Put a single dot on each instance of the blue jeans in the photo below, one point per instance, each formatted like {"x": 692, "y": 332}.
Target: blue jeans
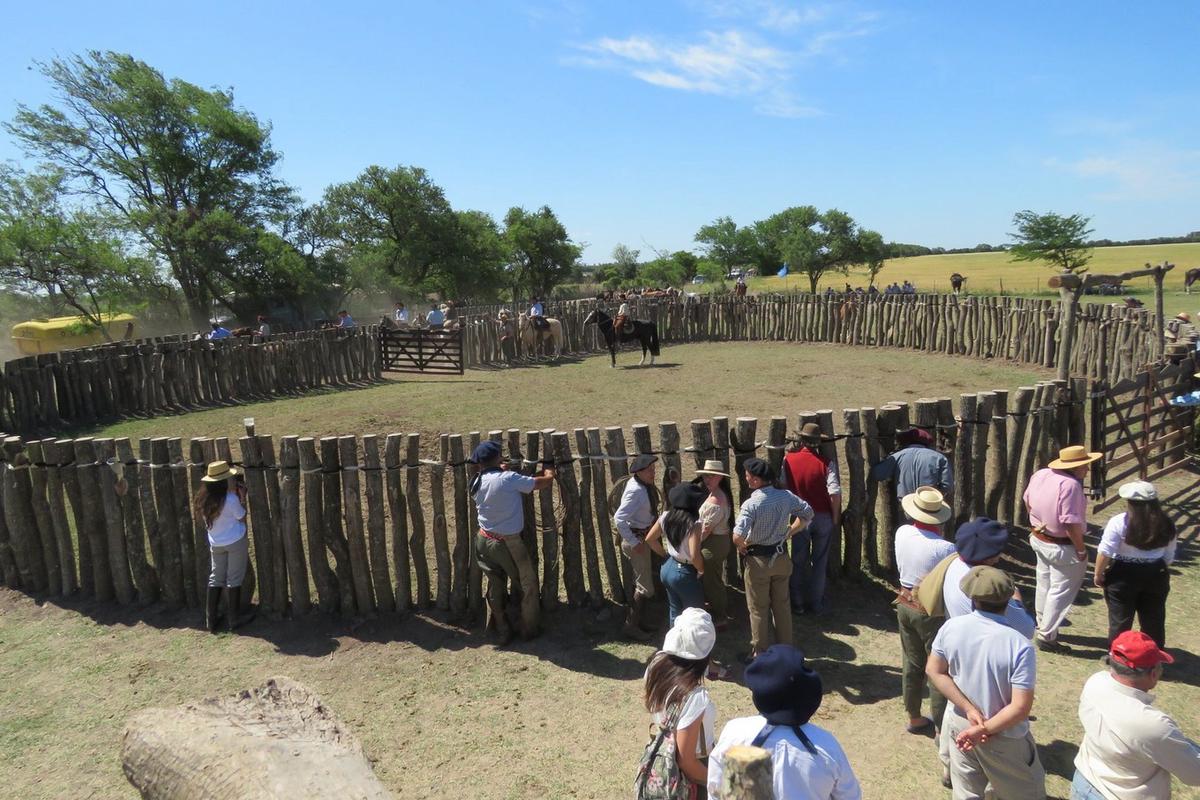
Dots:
{"x": 683, "y": 585}
{"x": 810, "y": 562}
{"x": 1081, "y": 789}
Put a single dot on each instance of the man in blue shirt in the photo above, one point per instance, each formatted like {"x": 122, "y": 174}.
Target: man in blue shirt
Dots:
{"x": 915, "y": 464}
{"x": 345, "y": 320}
{"x": 501, "y": 552}
{"x": 537, "y": 315}
{"x": 435, "y": 318}
{"x": 400, "y": 315}
{"x": 987, "y": 672}
{"x": 218, "y": 331}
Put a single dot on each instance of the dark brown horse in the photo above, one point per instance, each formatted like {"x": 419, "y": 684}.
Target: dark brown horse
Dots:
{"x": 644, "y": 331}
{"x": 1190, "y": 277}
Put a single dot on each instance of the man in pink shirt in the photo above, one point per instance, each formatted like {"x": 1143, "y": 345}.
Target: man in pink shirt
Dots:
{"x": 1058, "y": 519}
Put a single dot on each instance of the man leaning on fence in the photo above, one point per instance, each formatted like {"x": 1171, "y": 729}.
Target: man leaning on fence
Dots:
{"x": 501, "y": 552}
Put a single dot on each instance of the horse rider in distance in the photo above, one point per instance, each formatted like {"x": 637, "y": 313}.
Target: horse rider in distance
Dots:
{"x": 623, "y": 324}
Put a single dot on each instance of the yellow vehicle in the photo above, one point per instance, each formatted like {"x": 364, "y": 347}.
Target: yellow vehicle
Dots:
{"x": 49, "y": 335}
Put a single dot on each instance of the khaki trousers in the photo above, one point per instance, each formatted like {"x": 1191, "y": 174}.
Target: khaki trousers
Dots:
{"x": 1004, "y": 767}
{"x": 768, "y": 601}
{"x": 715, "y": 550}
{"x": 642, "y": 567}
{"x": 503, "y": 561}
{"x": 916, "y": 639}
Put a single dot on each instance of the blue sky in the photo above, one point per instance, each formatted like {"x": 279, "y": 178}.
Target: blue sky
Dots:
{"x": 638, "y": 122}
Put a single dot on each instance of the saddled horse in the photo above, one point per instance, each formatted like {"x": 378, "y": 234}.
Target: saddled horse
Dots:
{"x": 531, "y": 338}
{"x": 1190, "y": 277}
{"x": 644, "y": 331}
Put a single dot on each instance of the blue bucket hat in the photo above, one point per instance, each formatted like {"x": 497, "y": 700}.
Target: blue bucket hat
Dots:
{"x": 485, "y": 452}
{"x": 785, "y": 691}
{"x": 980, "y": 539}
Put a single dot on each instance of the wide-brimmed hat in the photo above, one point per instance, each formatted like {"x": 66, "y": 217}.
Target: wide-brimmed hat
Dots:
{"x": 1183, "y": 316}
{"x": 1136, "y": 650}
{"x": 220, "y": 471}
{"x": 1074, "y": 456}
{"x": 926, "y": 505}
{"x": 713, "y": 467}
{"x": 692, "y": 636}
{"x": 785, "y": 691}
{"x": 980, "y": 539}
{"x": 688, "y": 497}
{"x": 810, "y": 433}
{"x": 642, "y": 461}
{"x": 987, "y": 585}
{"x": 1138, "y": 490}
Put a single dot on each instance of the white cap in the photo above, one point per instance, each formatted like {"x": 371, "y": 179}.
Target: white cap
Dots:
{"x": 1138, "y": 490}
{"x": 692, "y": 636}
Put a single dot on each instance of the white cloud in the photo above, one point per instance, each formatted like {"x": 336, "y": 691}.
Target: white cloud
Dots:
{"x": 1143, "y": 171}
{"x": 767, "y": 14}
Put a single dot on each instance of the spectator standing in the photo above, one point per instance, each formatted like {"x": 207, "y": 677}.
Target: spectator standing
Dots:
{"x": 635, "y": 514}
{"x": 814, "y": 479}
{"x": 807, "y": 762}
{"x": 765, "y": 522}
{"x": 980, "y": 542}
{"x": 264, "y": 327}
{"x": 499, "y": 548}
{"x": 715, "y": 516}
{"x": 1058, "y": 519}
{"x": 676, "y": 697}
{"x": 919, "y": 548}
{"x": 916, "y": 463}
{"x": 675, "y": 536}
{"x": 1130, "y": 749}
{"x": 221, "y": 504}
{"x": 1131, "y": 564}
{"x": 987, "y": 671}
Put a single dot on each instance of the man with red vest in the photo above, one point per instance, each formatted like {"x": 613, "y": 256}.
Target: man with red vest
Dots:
{"x": 814, "y": 479}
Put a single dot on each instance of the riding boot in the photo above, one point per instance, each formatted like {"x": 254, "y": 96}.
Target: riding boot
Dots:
{"x": 644, "y": 621}
{"x": 633, "y": 628}
{"x": 212, "y": 610}
{"x": 233, "y": 604}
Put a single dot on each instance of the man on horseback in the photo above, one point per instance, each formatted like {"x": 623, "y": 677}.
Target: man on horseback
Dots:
{"x": 537, "y": 315}
{"x": 622, "y": 324}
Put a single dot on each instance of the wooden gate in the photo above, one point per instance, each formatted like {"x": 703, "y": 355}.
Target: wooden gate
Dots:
{"x": 1143, "y": 436}
{"x": 421, "y": 350}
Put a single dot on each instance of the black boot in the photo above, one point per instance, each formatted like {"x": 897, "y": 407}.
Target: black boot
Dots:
{"x": 236, "y": 618}
{"x": 213, "y": 608}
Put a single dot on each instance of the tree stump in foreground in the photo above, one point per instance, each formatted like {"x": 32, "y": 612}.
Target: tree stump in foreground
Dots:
{"x": 748, "y": 774}
{"x": 276, "y": 741}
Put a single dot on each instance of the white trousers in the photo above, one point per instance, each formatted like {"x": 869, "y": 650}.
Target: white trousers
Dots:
{"x": 1060, "y": 574}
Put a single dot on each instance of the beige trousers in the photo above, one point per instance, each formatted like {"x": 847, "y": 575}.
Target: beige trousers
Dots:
{"x": 767, "y": 600}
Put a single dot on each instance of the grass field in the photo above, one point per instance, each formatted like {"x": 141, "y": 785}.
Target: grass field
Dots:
{"x": 992, "y": 273}
{"x": 442, "y": 712}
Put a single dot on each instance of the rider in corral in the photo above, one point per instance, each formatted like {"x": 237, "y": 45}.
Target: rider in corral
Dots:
{"x": 623, "y": 323}
{"x": 537, "y": 315}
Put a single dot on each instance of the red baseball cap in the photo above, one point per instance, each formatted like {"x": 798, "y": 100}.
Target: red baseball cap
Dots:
{"x": 1137, "y": 650}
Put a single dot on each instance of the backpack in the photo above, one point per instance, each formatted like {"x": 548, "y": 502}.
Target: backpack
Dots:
{"x": 929, "y": 592}
{"x": 659, "y": 776}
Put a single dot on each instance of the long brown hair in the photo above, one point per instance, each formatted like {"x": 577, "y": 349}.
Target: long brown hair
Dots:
{"x": 669, "y": 678}
{"x": 1147, "y": 527}
{"x": 209, "y": 500}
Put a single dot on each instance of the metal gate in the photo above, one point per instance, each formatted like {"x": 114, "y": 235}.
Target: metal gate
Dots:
{"x": 421, "y": 350}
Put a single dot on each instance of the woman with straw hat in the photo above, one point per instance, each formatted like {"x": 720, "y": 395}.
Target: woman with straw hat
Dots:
{"x": 1058, "y": 519}
{"x": 715, "y": 514}
{"x": 221, "y": 504}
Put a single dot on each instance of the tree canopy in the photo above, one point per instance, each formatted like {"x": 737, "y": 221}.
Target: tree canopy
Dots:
{"x": 1059, "y": 241}
{"x": 541, "y": 254}
{"x": 812, "y": 243}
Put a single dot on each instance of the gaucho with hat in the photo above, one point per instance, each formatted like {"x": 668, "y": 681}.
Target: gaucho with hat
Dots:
{"x": 916, "y": 462}
{"x": 635, "y": 514}
{"x": 812, "y": 477}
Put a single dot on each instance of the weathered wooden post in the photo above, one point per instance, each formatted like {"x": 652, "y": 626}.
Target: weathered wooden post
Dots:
{"x": 385, "y": 601}
{"x": 259, "y": 528}
{"x": 289, "y": 523}
{"x": 441, "y": 544}
{"x": 462, "y": 532}
{"x": 328, "y": 591}
{"x": 398, "y": 512}
{"x": 569, "y": 494}
{"x": 90, "y": 507}
{"x": 145, "y": 577}
{"x": 748, "y": 774}
{"x": 41, "y": 515}
{"x": 364, "y": 597}
{"x": 331, "y": 516}
{"x": 852, "y": 513}
{"x": 416, "y": 541}
{"x": 549, "y": 529}
{"x": 587, "y": 529}
{"x": 56, "y": 453}
{"x": 608, "y": 547}
{"x": 266, "y": 455}
{"x": 114, "y": 518}
{"x": 22, "y": 525}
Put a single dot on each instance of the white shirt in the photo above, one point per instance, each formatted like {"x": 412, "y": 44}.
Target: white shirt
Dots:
{"x": 958, "y": 604}
{"x": 498, "y": 501}
{"x": 682, "y": 558}
{"x": 633, "y": 512}
{"x": 798, "y": 774}
{"x": 1130, "y": 749}
{"x": 1112, "y": 544}
{"x": 696, "y": 705}
{"x": 536, "y": 310}
{"x": 230, "y": 524}
{"x": 401, "y": 315}
{"x": 918, "y": 552}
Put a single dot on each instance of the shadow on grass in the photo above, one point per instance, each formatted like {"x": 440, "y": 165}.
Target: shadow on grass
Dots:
{"x": 1058, "y": 757}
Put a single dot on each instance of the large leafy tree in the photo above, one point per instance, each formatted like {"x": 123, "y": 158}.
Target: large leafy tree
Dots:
{"x": 724, "y": 243}
{"x": 810, "y": 242}
{"x": 541, "y": 253}
{"x": 874, "y": 253}
{"x": 74, "y": 257}
{"x": 1059, "y": 241}
{"x": 183, "y": 167}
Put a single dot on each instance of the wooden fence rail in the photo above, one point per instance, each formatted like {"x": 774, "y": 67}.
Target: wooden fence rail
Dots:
{"x": 362, "y": 526}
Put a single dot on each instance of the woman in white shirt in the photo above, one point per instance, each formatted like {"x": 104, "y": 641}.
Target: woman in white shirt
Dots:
{"x": 1131, "y": 563}
{"x": 676, "y": 698}
{"x": 676, "y": 537}
{"x": 221, "y": 504}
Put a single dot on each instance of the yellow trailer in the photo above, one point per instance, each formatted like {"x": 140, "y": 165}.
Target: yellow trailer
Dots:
{"x": 49, "y": 335}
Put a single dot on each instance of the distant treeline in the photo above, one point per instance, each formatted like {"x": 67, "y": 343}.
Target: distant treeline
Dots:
{"x": 901, "y": 250}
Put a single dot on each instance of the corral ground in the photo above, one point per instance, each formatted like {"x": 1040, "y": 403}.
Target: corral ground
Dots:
{"x": 440, "y": 710}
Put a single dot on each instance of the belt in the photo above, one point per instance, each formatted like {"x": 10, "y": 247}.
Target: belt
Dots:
{"x": 639, "y": 532}
{"x": 495, "y": 537}
{"x": 1040, "y": 533}
{"x": 904, "y": 597}
{"x": 766, "y": 549}
{"x": 1127, "y": 560}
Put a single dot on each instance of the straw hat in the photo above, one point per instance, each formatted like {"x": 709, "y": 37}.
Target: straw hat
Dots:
{"x": 1183, "y": 316}
{"x": 1074, "y": 456}
{"x": 926, "y": 505}
{"x": 220, "y": 471}
{"x": 712, "y": 467}
{"x": 810, "y": 433}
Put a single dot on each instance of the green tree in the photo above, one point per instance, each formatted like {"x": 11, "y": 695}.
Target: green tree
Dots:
{"x": 874, "y": 253}
{"x": 541, "y": 254}
{"x": 76, "y": 257}
{"x": 183, "y": 167}
{"x": 1060, "y": 241}
{"x": 675, "y": 269}
{"x": 626, "y": 261}
{"x": 809, "y": 242}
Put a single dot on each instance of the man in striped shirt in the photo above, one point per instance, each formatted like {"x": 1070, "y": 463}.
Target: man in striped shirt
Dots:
{"x": 765, "y": 523}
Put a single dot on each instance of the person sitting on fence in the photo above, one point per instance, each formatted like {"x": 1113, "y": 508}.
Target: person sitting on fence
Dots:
{"x": 264, "y": 327}
{"x": 434, "y": 318}
{"x": 537, "y": 315}
{"x": 345, "y": 321}
{"x": 218, "y": 331}
{"x": 501, "y": 552}
{"x": 221, "y": 503}
{"x": 806, "y": 761}
{"x": 400, "y": 316}
{"x": 915, "y": 463}
{"x": 635, "y": 514}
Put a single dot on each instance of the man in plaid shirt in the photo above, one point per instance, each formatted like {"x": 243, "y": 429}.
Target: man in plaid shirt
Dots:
{"x": 764, "y": 525}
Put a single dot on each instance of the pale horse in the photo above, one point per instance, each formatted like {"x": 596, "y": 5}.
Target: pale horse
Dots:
{"x": 531, "y": 338}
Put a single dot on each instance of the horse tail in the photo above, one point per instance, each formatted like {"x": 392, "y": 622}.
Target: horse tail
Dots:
{"x": 654, "y": 338}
